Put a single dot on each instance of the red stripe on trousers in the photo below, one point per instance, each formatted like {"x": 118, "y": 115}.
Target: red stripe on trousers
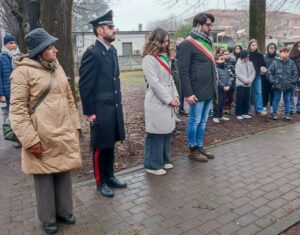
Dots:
{"x": 97, "y": 166}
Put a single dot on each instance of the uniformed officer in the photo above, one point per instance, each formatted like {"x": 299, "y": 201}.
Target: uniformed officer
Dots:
{"x": 99, "y": 87}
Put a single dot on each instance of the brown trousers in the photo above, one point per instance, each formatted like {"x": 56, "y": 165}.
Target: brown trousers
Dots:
{"x": 53, "y": 195}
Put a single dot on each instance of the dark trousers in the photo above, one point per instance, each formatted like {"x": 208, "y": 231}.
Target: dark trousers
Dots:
{"x": 103, "y": 160}
{"x": 157, "y": 150}
{"x": 242, "y": 101}
{"x": 229, "y": 98}
{"x": 267, "y": 92}
{"x": 181, "y": 106}
{"x": 218, "y": 108}
{"x": 53, "y": 195}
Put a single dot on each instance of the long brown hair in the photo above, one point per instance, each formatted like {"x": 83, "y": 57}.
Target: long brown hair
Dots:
{"x": 155, "y": 42}
{"x": 253, "y": 41}
{"x": 295, "y": 52}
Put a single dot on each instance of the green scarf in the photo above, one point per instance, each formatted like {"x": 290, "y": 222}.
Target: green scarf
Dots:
{"x": 52, "y": 66}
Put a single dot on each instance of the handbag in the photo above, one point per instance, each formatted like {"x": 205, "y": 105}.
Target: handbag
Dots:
{"x": 7, "y": 131}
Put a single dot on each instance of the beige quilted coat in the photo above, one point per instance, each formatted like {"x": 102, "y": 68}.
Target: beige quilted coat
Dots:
{"x": 54, "y": 123}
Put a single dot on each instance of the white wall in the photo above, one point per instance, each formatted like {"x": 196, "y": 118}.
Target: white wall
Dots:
{"x": 83, "y": 41}
{"x": 138, "y": 41}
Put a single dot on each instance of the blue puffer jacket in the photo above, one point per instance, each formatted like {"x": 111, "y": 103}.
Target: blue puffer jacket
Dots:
{"x": 283, "y": 74}
{"x": 5, "y": 71}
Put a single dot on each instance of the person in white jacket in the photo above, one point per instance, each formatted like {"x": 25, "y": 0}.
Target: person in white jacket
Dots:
{"x": 245, "y": 74}
{"x": 160, "y": 101}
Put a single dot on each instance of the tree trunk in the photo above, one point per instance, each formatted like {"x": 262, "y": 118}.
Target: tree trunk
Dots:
{"x": 56, "y": 18}
{"x": 21, "y": 17}
{"x": 257, "y": 22}
{"x": 33, "y": 9}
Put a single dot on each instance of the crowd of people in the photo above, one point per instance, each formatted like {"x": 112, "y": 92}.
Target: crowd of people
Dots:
{"x": 44, "y": 117}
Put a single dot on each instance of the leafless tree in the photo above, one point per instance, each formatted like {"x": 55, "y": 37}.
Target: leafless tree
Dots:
{"x": 170, "y": 24}
{"x": 85, "y": 11}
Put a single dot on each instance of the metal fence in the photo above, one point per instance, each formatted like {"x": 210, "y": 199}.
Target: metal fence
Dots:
{"x": 132, "y": 62}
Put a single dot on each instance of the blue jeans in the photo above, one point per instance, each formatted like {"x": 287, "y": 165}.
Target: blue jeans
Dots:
{"x": 292, "y": 107}
{"x": 256, "y": 90}
{"x": 298, "y": 102}
{"x": 286, "y": 98}
{"x": 197, "y": 122}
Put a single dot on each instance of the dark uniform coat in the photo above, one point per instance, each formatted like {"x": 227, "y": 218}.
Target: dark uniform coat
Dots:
{"x": 100, "y": 92}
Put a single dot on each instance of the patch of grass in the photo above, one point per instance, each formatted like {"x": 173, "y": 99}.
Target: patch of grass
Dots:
{"x": 133, "y": 78}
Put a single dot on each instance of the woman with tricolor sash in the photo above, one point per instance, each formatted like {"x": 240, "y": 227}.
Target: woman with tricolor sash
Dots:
{"x": 161, "y": 99}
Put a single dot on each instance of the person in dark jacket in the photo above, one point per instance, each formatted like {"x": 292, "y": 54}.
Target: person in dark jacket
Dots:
{"x": 295, "y": 56}
{"x": 267, "y": 91}
{"x": 182, "y": 111}
{"x": 230, "y": 64}
{"x": 175, "y": 75}
{"x": 256, "y": 88}
{"x": 283, "y": 75}
{"x": 224, "y": 83}
{"x": 99, "y": 87}
{"x": 197, "y": 72}
{"x": 9, "y": 53}
{"x": 237, "y": 52}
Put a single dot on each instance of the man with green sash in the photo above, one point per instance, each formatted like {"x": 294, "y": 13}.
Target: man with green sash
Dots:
{"x": 197, "y": 72}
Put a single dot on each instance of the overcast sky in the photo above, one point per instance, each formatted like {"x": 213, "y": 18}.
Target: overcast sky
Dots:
{"x": 129, "y": 13}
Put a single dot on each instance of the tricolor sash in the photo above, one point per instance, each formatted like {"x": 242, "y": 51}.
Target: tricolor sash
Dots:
{"x": 202, "y": 46}
{"x": 164, "y": 61}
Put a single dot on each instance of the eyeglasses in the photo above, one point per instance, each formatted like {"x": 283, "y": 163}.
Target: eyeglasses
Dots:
{"x": 209, "y": 25}
{"x": 271, "y": 47}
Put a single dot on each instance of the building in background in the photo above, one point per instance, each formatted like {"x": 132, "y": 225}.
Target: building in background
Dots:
{"x": 283, "y": 26}
{"x": 129, "y": 45}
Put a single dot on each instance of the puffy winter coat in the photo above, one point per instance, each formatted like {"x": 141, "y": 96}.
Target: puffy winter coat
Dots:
{"x": 283, "y": 74}
{"x": 54, "y": 123}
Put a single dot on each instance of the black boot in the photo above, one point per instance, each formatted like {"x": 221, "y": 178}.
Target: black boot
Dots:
{"x": 50, "y": 228}
{"x": 105, "y": 190}
{"x": 115, "y": 183}
{"x": 68, "y": 219}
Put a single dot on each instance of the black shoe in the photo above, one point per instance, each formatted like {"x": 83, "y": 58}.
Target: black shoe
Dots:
{"x": 115, "y": 183}
{"x": 68, "y": 219}
{"x": 50, "y": 228}
{"x": 105, "y": 190}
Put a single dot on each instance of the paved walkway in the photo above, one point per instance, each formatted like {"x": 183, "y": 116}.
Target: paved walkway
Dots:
{"x": 252, "y": 187}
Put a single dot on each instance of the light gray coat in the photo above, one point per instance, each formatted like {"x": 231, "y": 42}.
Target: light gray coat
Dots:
{"x": 245, "y": 72}
{"x": 159, "y": 115}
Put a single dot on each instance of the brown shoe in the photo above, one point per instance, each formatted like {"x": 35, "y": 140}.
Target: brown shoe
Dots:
{"x": 209, "y": 155}
{"x": 196, "y": 156}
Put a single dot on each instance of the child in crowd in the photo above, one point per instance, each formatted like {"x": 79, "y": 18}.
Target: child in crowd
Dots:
{"x": 283, "y": 74}
{"x": 224, "y": 83}
{"x": 175, "y": 75}
{"x": 230, "y": 64}
{"x": 245, "y": 74}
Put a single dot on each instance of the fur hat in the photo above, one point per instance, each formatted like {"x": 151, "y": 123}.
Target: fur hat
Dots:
{"x": 37, "y": 41}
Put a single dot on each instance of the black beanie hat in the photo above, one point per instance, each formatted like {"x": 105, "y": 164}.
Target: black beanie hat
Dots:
{"x": 244, "y": 54}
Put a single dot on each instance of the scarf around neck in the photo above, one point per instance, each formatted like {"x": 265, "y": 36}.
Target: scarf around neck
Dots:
{"x": 52, "y": 66}
{"x": 12, "y": 54}
{"x": 201, "y": 35}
